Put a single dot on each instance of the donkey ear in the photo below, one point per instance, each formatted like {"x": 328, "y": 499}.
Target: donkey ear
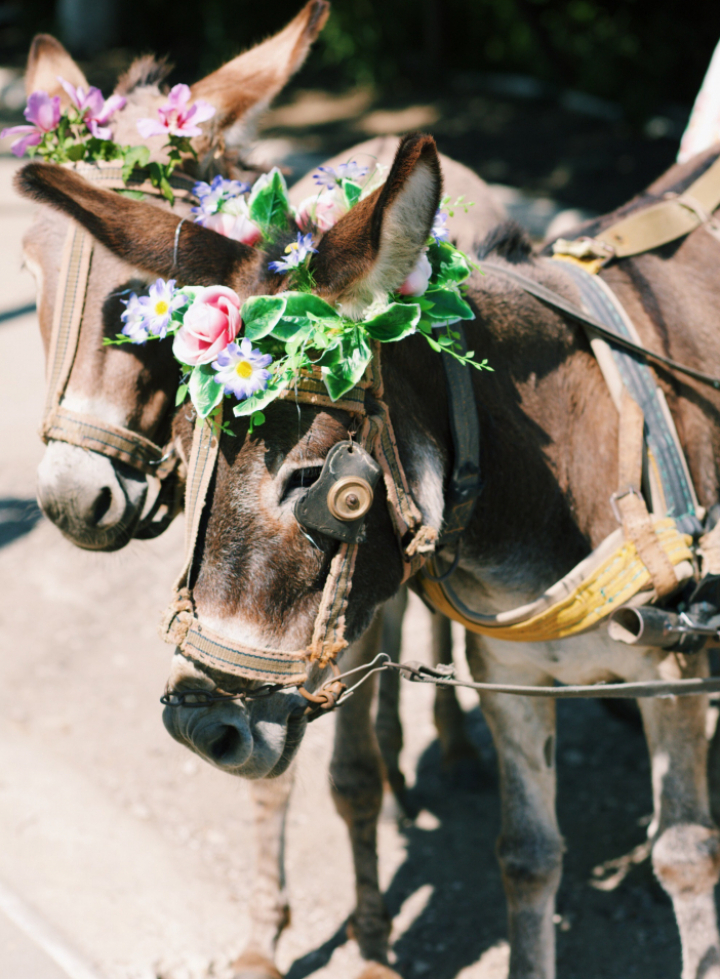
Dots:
{"x": 242, "y": 88}
{"x": 47, "y": 60}
{"x": 373, "y": 248}
{"x": 140, "y": 234}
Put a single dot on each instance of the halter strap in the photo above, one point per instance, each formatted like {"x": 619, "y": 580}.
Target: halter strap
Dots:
{"x": 60, "y": 424}
{"x": 416, "y": 541}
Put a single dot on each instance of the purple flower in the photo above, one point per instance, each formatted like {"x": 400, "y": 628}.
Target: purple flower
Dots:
{"x": 213, "y": 196}
{"x": 94, "y": 110}
{"x": 331, "y": 176}
{"x": 44, "y": 114}
{"x": 135, "y": 320}
{"x": 150, "y": 315}
{"x": 177, "y": 118}
{"x": 241, "y": 370}
{"x": 438, "y": 230}
{"x": 297, "y": 252}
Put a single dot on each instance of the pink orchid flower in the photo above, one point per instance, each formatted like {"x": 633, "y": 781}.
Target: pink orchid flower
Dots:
{"x": 44, "y": 114}
{"x": 96, "y": 112}
{"x": 177, "y": 118}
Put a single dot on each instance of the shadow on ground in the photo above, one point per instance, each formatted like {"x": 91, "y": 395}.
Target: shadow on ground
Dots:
{"x": 17, "y": 518}
{"x": 612, "y": 917}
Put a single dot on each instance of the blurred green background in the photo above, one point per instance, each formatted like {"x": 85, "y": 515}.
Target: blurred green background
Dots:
{"x": 635, "y": 52}
{"x": 570, "y": 103}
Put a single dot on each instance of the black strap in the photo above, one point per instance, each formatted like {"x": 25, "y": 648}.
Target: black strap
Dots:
{"x": 465, "y": 479}
{"x": 552, "y": 299}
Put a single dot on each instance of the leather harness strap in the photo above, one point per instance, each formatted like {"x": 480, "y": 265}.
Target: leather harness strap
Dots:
{"x": 672, "y": 217}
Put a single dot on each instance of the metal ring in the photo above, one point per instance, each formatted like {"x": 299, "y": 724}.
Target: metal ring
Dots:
{"x": 350, "y": 498}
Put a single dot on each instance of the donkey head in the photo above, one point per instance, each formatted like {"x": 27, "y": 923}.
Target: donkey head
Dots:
{"x": 259, "y": 575}
{"x": 98, "y": 502}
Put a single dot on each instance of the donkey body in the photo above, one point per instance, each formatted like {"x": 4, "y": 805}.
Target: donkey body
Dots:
{"x": 98, "y": 503}
{"x": 549, "y": 454}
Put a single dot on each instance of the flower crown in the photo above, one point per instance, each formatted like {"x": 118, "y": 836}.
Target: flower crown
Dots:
{"x": 81, "y": 131}
{"x": 255, "y": 352}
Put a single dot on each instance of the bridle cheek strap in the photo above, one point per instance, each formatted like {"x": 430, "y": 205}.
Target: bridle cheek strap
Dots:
{"x": 60, "y": 424}
{"x": 180, "y": 624}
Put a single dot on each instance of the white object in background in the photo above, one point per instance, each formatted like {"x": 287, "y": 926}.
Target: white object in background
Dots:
{"x": 703, "y": 128}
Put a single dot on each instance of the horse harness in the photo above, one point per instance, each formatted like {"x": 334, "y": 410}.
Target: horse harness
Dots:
{"x": 648, "y": 558}
{"x": 61, "y": 424}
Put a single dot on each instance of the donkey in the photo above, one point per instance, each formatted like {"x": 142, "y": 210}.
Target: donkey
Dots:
{"x": 549, "y": 454}
{"x": 136, "y": 391}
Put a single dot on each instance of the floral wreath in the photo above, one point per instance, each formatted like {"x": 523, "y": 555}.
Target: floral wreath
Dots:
{"x": 254, "y": 352}
{"x": 81, "y": 132}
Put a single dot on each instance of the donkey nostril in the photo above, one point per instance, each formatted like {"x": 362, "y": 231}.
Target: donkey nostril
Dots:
{"x": 102, "y": 505}
{"x": 226, "y": 744}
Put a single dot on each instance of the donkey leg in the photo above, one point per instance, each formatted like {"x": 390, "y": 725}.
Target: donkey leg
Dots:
{"x": 530, "y": 846}
{"x": 357, "y": 788}
{"x": 449, "y": 716}
{"x": 269, "y": 908}
{"x": 388, "y": 728}
{"x": 686, "y": 844}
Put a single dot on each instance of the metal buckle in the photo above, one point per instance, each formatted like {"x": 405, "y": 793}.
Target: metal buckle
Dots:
{"x": 618, "y": 495}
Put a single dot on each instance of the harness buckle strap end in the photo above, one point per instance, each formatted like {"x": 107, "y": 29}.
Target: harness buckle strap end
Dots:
{"x": 619, "y": 495}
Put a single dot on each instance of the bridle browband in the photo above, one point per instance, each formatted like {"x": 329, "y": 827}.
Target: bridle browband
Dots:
{"x": 61, "y": 424}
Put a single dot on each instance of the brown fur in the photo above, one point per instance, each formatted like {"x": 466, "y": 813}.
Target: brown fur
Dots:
{"x": 145, "y": 70}
{"x": 46, "y": 60}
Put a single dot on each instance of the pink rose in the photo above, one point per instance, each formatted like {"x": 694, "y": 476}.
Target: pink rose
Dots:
{"x": 417, "y": 282}
{"x": 322, "y": 210}
{"x": 210, "y": 324}
{"x": 239, "y": 227}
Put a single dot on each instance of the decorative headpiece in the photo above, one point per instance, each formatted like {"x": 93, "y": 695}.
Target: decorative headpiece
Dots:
{"x": 255, "y": 352}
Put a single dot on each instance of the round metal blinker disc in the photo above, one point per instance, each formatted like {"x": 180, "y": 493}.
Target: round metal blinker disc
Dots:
{"x": 350, "y": 498}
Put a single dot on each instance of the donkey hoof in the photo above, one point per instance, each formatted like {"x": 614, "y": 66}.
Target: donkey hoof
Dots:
{"x": 252, "y": 965}
{"x": 377, "y": 971}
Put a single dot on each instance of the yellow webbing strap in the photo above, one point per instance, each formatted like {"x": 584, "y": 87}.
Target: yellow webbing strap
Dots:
{"x": 611, "y": 576}
{"x": 652, "y": 226}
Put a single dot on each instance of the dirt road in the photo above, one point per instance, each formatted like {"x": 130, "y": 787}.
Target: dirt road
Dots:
{"x": 140, "y": 856}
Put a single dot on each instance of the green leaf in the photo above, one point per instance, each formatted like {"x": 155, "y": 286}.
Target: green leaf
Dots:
{"x": 205, "y": 392}
{"x": 261, "y": 314}
{"x": 268, "y": 202}
{"x": 448, "y": 305}
{"x": 352, "y": 192}
{"x": 75, "y": 152}
{"x": 302, "y": 312}
{"x": 180, "y": 395}
{"x": 257, "y": 402}
{"x": 448, "y": 263}
{"x": 355, "y": 356}
{"x": 134, "y": 156}
{"x": 135, "y": 195}
{"x": 399, "y": 320}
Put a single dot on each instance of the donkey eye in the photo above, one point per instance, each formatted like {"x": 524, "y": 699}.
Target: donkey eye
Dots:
{"x": 301, "y": 479}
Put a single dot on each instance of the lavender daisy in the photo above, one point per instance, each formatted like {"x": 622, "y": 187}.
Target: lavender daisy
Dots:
{"x": 134, "y": 319}
{"x": 439, "y": 230}
{"x": 331, "y": 176}
{"x": 212, "y": 196}
{"x": 241, "y": 370}
{"x": 297, "y": 252}
{"x": 150, "y": 315}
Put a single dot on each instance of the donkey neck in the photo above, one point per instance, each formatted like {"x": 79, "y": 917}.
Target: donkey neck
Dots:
{"x": 548, "y": 437}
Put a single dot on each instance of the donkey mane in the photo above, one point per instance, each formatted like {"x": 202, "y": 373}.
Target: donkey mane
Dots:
{"x": 145, "y": 70}
{"x": 509, "y": 241}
